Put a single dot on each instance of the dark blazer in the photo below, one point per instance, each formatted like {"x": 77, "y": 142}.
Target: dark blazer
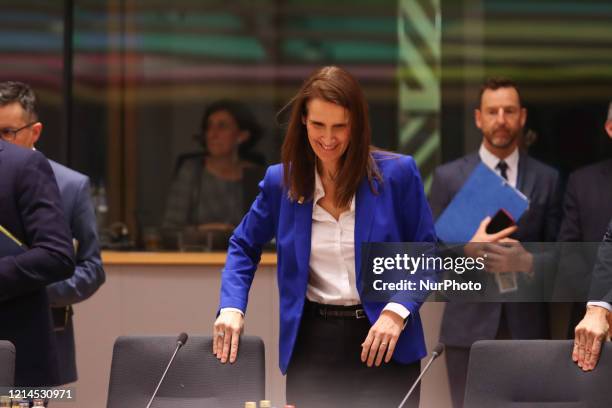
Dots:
{"x": 88, "y": 274}
{"x": 398, "y": 213}
{"x": 30, "y": 208}
{"x": 465, "y": 323}
{"x": 601, "y": 287}
{"x": 587, "y": 209}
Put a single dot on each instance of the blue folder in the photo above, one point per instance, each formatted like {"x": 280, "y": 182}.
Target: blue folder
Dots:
{"x": 482, "y": 195}
{"x": 9, "y": 245}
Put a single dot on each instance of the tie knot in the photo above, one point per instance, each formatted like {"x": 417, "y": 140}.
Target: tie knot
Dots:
{"x": 502, "y": 166}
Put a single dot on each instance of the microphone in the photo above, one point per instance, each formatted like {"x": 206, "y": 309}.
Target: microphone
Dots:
{"x": 437, "y": 352}
{"x": 182, "y": 339}
{"x": 180, "y": 342}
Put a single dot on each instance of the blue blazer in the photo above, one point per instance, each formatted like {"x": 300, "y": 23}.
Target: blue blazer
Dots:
{"x": 398, "y": 213}
{"x": 88, "y": 273}
{"x": 78, "y": 209}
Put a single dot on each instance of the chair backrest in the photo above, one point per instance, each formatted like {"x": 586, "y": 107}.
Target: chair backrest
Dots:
{"x": 535, "y": 374}
{"x": 7, "y": 364}
{"x": 195, "y": 379}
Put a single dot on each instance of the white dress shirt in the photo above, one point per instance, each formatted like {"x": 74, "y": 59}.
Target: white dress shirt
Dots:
{"x": 605, "y": 305}
{"x": 491, "y": 161}
{"x": 332, "y": 278}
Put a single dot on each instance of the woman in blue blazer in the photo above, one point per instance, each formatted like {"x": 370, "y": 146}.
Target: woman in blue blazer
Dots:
{"x": 331, "y": 193}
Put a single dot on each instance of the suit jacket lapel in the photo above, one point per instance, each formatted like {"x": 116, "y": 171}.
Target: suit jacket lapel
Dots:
{"x": 302, "y": 234}
{"x": 526, "y": 179}
{"x": 365, "y": 205}
{"x": 469, "y": 164}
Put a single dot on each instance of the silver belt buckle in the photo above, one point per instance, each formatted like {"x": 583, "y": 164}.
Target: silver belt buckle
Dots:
{"x": 360, "y": 314}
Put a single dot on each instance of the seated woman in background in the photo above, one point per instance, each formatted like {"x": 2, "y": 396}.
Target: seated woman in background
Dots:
{"x": 211, "y": 191}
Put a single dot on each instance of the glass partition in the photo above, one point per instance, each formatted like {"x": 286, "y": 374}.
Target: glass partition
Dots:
{"x": 31, "y": 51}
{"x": 143, "y": 74}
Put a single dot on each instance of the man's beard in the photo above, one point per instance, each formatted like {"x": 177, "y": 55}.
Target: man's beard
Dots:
{"x": 502, "y": 142}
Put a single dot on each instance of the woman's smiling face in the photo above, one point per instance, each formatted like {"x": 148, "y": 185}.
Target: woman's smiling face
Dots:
{"x": 328, "y": 128}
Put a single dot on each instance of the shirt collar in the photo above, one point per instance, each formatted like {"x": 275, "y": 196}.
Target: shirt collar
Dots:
{"x": 491, "y": 161}
{"x": 320, "y": 192}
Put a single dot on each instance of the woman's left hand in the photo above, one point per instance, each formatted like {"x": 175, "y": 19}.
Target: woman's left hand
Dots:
{"x": 382, "y": 338}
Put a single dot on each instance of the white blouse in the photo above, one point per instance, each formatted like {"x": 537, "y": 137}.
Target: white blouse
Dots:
{"x": 332, "y": 278}
{"x": 332, "y": 255}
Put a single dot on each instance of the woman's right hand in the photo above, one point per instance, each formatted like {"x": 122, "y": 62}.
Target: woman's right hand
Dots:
{"x": 226, "y": 335}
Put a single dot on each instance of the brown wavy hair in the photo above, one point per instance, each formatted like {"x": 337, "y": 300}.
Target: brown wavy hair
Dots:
{"x": 335, "y": 85}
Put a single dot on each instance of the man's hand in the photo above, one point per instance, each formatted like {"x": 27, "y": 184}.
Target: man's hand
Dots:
{"x": 382, "y": 338}
{"x": 477, "y": 245}
{"x": 226, "y": 335}
{"x": 589, "y": 335}
{"x": 508, "y": 256}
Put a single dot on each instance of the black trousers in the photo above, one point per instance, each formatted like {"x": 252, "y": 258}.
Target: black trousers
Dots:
{"x": 326, "y": 368}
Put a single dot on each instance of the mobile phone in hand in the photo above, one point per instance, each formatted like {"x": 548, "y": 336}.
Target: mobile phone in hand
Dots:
{"x": 500, "y": 221}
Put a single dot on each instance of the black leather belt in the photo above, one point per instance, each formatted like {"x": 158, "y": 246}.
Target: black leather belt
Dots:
{"x": 334, "y": 311}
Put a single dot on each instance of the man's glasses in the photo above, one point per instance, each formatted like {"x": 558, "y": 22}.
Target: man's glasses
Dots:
{"x": 9, "y": 134}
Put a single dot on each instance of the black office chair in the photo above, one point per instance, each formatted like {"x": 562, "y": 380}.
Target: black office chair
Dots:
{"x": 195, "y": 379}
{"x": 7, "y": 364}
{"x": 535, "y": 374}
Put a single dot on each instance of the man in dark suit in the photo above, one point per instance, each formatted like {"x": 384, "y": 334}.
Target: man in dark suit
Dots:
{"x": 30, "y": 209}
{"x": 501, "y": 119}
{"x": 78, "y": 209}
{"x": 587, "y": 208}
{"x": 595, "y": 325}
